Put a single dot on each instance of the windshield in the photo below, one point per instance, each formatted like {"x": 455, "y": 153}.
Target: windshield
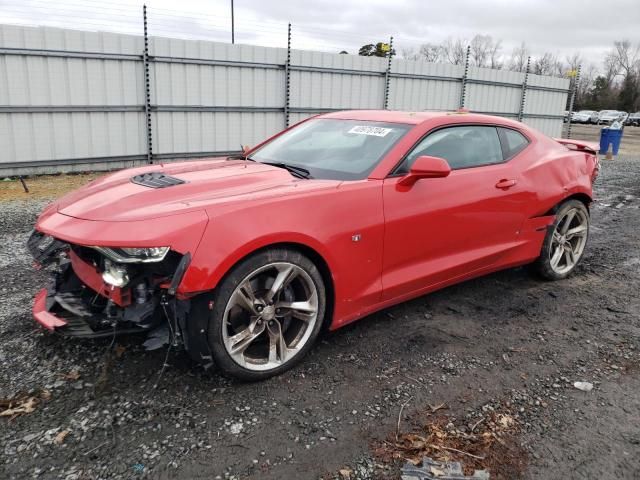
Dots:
{"x": 585, "y": 112}
{"x": 609, "y": 112}
{"x": 333, "y": 149}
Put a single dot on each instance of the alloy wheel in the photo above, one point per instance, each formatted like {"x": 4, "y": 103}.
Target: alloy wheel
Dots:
{"x": 568, "y": 241}
{"x": 270, "y": 316}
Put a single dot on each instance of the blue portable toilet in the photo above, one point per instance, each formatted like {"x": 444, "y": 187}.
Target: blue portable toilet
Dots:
{"x": 610, "y": 136}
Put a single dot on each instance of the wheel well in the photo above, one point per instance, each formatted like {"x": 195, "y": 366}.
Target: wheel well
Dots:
{"x": 318, "y": 260}
{"x": 582, "y": 197}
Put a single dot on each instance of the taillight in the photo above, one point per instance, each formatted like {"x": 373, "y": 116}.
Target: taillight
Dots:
{"x": 596, "y": 168}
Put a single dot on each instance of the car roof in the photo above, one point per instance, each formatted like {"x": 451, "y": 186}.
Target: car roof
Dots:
{"x": 416, "y": 118}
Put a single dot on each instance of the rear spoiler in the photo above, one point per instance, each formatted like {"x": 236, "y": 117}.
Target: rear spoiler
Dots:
{"x": 590, "y": 147}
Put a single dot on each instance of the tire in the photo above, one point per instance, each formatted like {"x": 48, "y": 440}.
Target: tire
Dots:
{"x": 555, "y": 261}
{"x": 246, "y": 342}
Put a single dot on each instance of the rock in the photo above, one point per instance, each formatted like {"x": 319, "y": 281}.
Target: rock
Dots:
{"x": 236, "y": 428}
{"x": 29, "y": 438}
{"x": 584, "y": 386}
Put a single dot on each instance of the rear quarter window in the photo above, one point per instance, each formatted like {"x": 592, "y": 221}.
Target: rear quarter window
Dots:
{"x": 513, "y": 142}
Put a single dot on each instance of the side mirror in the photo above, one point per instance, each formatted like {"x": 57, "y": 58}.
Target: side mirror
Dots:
{"x": 426, "y": 167}
{"x": 245, "y": 149}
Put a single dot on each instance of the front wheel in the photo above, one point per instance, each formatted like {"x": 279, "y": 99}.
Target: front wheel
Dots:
{"x": 266, "y": 315}
{"x": 566, "y": 239}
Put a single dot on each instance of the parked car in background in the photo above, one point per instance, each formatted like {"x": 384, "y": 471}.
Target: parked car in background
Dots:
{"x": 609, "y": 116}
{"x": 583, "y": 116}
{"x": 242, "y": 261}
{"x": 633, "y": 119}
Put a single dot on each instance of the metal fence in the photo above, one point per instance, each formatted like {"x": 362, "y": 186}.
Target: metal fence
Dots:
{"x": 75, "y": 100}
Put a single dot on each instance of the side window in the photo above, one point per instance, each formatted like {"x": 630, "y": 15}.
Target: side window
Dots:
{"x": 513, "y": 142}
{"x": 461, "y": 146}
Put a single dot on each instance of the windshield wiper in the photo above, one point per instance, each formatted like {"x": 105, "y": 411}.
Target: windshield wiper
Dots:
{"x": 240, "y": 156}
{"x": 293, "y": 169}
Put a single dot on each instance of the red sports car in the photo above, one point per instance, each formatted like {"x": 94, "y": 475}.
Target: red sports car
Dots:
{"x": 243, "y": 260}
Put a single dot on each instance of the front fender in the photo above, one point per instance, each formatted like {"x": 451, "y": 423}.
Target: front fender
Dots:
{"x": 212, "y": 261}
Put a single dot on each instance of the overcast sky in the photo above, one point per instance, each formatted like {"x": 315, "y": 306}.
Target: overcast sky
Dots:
{"x": 560, "y": 27}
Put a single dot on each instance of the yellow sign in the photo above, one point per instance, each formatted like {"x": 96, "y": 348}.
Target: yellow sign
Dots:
{"x": 385, "y": 47}
{"x": 572, "y": 73}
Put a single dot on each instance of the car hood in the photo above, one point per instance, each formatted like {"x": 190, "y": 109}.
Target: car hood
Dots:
{"x": 206, "y": 183}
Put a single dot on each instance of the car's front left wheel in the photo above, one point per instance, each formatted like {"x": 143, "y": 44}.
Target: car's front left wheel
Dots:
{"x": 267, "y": 313}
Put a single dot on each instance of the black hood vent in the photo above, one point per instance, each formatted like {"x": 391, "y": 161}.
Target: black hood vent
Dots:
{"x": 156, "y": 180}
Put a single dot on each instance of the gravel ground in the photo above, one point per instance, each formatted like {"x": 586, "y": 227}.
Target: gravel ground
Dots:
{"x": 503, "y": 341}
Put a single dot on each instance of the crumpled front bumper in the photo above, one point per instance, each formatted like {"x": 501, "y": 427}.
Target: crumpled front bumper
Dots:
{"x": 41, "y": 312}
{"x": 61, "y": 313}
{"x": 78, "y": 301}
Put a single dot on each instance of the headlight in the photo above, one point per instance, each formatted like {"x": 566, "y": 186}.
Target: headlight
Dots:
{"x": 115, "y": 274}
{"x": 134, "y": 254}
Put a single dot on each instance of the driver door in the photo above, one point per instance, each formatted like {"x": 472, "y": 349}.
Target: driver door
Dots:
{"x": 440, "y": 229}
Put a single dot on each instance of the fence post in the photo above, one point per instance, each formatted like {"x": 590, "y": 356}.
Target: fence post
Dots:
{"x": 387, "y": 76}
{"x": 287, "y": 79}
{"x": 147, "y": 88}
{"x": 576, "y": 79}
{"x": 463, "y": 92}
{"x": 523, "y": 99}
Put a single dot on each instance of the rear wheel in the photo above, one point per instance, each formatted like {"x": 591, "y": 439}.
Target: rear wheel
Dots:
{"x": 266, "y": 315}
{"x": 565, "y": 242}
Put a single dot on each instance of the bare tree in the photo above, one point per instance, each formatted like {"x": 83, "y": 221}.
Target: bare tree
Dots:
{"x": 409, "y": 53}
{"x": 454, "y": 51}
{"x": 611, "y": 68}
{"x": 574, "y": 61}
{"x": 627, "y": 56}
{"x": 485, "y": 52}
{"x": 518, "y": 60}
{"x": 495, "y": 59}
{"x": 431, "y": 52}
{"x": 545, "y": 65}
{"x": 480, "y": 46}
{"x": 559, "y": 68}
{"x": 588, "y": 74}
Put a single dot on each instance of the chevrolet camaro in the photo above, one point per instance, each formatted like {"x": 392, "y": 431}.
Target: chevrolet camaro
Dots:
{"x": 244, "y": 260}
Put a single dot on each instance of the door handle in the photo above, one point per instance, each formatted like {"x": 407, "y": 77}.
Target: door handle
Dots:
{"x": 505, "y": 183}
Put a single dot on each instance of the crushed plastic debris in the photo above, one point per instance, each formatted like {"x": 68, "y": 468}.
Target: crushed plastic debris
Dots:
{"x": 434, "y": 470}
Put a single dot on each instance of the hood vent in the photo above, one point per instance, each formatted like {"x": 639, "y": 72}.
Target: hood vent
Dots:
{"x": 156, "y": 180}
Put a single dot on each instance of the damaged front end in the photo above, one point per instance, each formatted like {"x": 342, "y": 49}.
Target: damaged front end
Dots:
{"x": 106, "y": 291}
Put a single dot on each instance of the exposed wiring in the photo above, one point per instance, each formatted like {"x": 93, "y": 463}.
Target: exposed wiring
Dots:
{"x": 172, "y": 340}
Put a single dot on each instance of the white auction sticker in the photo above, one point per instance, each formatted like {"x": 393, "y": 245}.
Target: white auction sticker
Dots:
{"x": 375, "y": 131}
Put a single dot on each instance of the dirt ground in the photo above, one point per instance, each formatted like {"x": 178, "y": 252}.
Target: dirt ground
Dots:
{"x": 629, "y": 146}
{"x": 43, "y": 187}
{"x": 455, "y": 363}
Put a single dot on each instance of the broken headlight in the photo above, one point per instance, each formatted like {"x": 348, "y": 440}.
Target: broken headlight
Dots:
{"x": 134, "y": 254}
{"x": 115, "y": 274}
{"x": 45, "y": 249}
